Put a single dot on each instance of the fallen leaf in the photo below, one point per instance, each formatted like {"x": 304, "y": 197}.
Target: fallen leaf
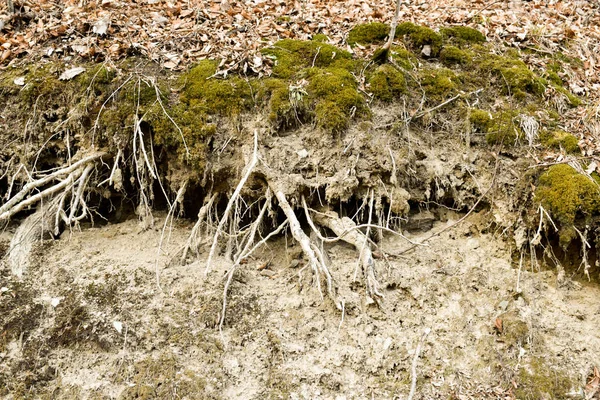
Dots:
{"x": 498, "y": 324}
{"x": 71, "y": 73}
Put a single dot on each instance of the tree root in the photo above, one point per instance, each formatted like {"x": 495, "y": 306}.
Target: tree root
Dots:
{"x": 195, "y": 239}
{"x": 346, "y": 230}
{"x": 54, "y": 210}
{"x": 232, "y": 202}
{"x": 315, "y": 256}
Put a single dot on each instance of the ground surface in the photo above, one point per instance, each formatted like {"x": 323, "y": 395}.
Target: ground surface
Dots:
{"x": 280, "y": 339}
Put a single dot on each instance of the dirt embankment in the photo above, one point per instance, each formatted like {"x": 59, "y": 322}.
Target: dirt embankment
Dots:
{"x": 199, "y": 236}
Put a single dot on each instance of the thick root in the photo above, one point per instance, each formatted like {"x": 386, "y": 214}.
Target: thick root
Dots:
{"x": 30, "y": 232}
{"x": 347, "y": 231}
{"x": 315, "y": 257}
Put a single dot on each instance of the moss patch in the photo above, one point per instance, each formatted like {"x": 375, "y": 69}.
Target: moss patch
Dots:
{"x": 503, "y": 129}
{"x": 480, "y": 119}
{"x": 404, "y": 58}
{"x": 463, "y": 34}
{"x": 512, "y": 75}
{"x": 568, "y": 196}
{"x": 560, "y": 140}
{"x": 537, "y": 380}
{"x": 451, "y": 55}
{"x": 374, "y": 32}
{"x": 290, "y": 56}
{"x": 204, "y": 92}
{"x": 419, "y": 36}
{"x": 387, "y": 83}
{"x": 336, "y": 98}
{"x": 438, "y": 83}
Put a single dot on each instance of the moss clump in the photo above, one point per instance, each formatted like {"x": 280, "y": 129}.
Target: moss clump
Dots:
{"x": 387, "y": 83}
{"x": 451, "y": 55}
{"x": 560, "y": 140}
{"x": 513, "y": 73}
{"x": 502, "y": 128}
{"x": 291, "y": 56}
{"x": 515, "y": 331}
{"x": 553, "y": 77}
{"x": 567, "y": 194}
{"x": 287, "y": 105}
{"x": 189, "y": 144}
{"x": 537, "y": 380}
{"x": 463, "y": 33}
{"x": 374, "y": 32}
{"x": 212, "y": 95}
{"x": 336, "y": 98}
{"x": 480, "y": 119}
{"x": 403, "y": 58}
{"x": 573, "y": 100}
{"x": 419, "y": 36}
{"x": 438, "y": 83}
{"x": 320, "y": 38}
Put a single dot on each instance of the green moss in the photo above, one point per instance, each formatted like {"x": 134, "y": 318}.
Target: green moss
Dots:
{"x": 502, "y": 129}
{"x": 291, "y": 56}
{"x": 512, "y": 74}
{"x": 403, "y": 58}
{"x": 515, "y": 331}
{"x": 560, "y": 140}
{"x": 568, "y": 195}
{"x": 573, "y": 100}
{"x": 537, "y": 380}
{"x": 336, "y": 98}
{"x": 438, "y": 83}
{"x": 319, "y": 37}
{"x": 451, "y": 55}
{"x": 553, "y": 77}
{"x": 419, "y": 36}
{"x": 387, "y": 83}
{"x": 374, "y": 32}
{"x": 480, "y": 119}
{"x": 189, "y": 144}
{"x": 463, "y": 33}
{"x": 213, "y": 95}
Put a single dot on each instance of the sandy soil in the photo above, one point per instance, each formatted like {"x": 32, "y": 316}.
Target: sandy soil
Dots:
{"x": 99, "y": 327}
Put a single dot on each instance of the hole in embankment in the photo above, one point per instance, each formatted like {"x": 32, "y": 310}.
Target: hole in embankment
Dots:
{"x": 571, "y": 257}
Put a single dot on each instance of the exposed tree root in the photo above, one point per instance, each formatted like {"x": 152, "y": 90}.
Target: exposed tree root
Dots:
{"x": 30, "y": 232}
{"x": 67, "y": 176}
{"x": 232, "y": 202}
{"x": 315, "y": 256}
{"x": 346, "y": 230}
{"x": 195, "y": 239}
{"x": 63, "y": 202}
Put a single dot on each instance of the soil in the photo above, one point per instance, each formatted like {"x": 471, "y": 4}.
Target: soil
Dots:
{"x": 281, "y": 339}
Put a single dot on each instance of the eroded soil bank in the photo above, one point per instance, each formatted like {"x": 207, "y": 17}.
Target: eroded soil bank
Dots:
{"x": 219, "y": 235}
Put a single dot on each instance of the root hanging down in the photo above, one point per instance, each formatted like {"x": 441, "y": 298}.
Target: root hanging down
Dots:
{"x": 62, "y": 198}
{"x": 315, "y": 256}
{"x": 347, "y": 231}
{"x": 232, "y": 202}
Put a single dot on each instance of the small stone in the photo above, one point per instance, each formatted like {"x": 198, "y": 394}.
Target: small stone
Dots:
{"x": 295, "y": 263}
{"x": 426, "y": 51}
{"x": 268, "y": 273}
